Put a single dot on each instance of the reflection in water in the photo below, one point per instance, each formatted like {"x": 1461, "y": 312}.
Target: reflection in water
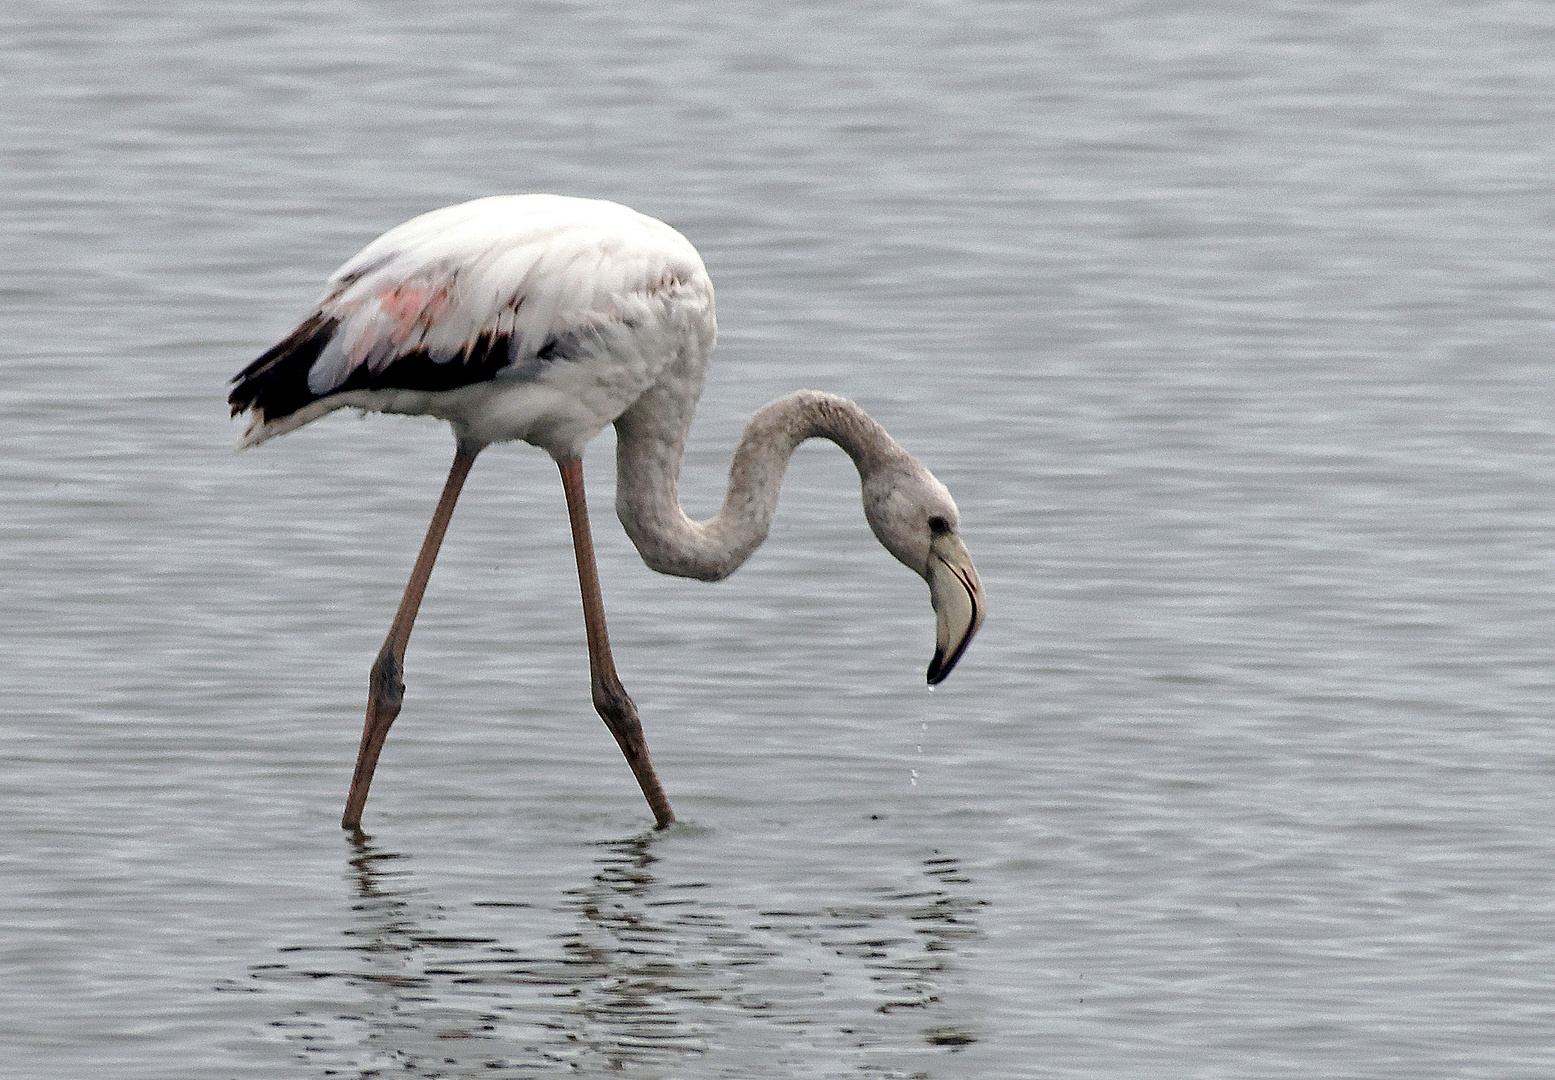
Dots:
{"x": 655, "y": 978}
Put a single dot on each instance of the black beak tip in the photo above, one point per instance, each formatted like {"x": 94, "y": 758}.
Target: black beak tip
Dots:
{"x": 938, "y": 668}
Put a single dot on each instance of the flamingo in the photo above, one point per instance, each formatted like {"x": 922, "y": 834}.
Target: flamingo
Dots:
{"x": 544, "y": 318}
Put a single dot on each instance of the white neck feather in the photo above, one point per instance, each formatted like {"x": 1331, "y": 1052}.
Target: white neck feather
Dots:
{"x": 651, "y": 439}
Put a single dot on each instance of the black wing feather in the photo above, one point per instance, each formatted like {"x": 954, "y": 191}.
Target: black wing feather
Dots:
{"x": 276, "y": 385}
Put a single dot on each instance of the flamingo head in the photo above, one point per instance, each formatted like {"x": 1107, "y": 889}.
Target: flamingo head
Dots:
{"x": 914, "y": 517}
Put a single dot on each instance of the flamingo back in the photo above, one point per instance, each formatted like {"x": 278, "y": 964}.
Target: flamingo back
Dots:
{"x": 536, "y": 317}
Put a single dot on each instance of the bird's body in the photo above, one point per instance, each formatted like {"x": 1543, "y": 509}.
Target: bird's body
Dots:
{"x": 544, "y": 318}
{"x": 533, "y": 317}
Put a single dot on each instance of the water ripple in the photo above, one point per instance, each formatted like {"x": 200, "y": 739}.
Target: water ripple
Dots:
{"x": 654, "y": 971}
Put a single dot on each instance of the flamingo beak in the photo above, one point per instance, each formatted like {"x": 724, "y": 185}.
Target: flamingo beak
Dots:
{"x": 957, "y": 596}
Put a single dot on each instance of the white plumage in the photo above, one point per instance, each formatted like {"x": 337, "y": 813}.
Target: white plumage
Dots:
{"x": 543, "y": 318}
{"x": 590, "y": 278}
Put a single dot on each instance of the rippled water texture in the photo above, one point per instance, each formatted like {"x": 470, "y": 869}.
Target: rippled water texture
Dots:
{"x": 1229, "y": 327}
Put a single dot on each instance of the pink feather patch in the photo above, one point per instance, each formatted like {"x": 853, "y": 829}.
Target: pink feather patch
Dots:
{"x": 413, "y": 308}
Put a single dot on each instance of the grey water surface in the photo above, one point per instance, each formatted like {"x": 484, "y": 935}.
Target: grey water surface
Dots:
{"x": 1228, "y": 325}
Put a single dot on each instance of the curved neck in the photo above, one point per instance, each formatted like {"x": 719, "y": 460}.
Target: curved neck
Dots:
{"x": 651, "y": 439}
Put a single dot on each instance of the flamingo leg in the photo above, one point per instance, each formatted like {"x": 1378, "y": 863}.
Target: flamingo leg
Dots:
{"x": 611, "y": 701}
{"x": 386, "y": 686}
